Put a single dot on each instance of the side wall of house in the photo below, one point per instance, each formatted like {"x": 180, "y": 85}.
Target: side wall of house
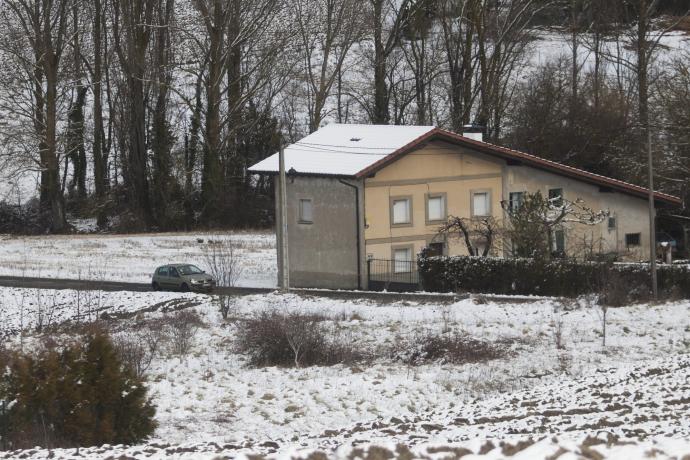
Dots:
{"x": 437, "y": 168}
{"x": 323, "y": 253}
{"x": 631, "y": 213}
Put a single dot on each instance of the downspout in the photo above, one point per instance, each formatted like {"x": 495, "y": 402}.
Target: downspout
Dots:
{"x": 359, "y": 239}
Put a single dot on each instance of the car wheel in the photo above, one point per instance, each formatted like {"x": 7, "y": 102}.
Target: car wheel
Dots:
{"x": 155, "y": 286}
{"x": 184, "y": 287}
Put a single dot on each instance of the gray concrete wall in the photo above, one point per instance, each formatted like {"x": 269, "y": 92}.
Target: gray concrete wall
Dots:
{"x": 323, "y": 254}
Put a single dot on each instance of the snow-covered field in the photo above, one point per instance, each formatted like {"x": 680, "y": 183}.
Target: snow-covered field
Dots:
{"x": 634, "y": 393}
{"x": 132, "y": 258}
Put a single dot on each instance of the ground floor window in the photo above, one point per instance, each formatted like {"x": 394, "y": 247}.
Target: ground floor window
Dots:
{"x": 402, "y": 260}
{"x": 435, "y": 249}
{"x": 632, "y": 239}
{"x": 559, "y": 241}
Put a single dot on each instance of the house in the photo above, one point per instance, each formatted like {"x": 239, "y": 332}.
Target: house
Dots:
{"x": 363, "y": 193}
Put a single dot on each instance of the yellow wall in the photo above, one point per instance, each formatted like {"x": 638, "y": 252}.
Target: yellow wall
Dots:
{"x": 441, "y": 167}
{"x": 438, "y": 167}
{"x": 631, "y": 213}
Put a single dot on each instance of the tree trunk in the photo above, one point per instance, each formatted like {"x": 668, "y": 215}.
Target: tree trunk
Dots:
{"x": 381, "y": 113}
{"x": 100, "y": 176}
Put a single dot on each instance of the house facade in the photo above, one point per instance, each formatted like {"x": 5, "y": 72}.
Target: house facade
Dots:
{"x": 358, "y": 193}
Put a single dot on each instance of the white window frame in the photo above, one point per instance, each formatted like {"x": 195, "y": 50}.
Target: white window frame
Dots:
{"x": 444, "y": 207}
{"x": 473, "y": 194}
{"x": 398, "y": 199}
{"x": 402, "y": 265}
{"x": 304, "y": 219}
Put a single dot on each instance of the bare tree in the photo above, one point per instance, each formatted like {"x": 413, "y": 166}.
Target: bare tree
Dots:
{"x": 327, "y": 30}
{"x": 388, "y": 22}
{"x": 533, "y": 222}
{"x": 222, "y": 261}
{"x": 479, "y": 234}
{"x": 132, "y": 30}
{"x": 41, "y": 34}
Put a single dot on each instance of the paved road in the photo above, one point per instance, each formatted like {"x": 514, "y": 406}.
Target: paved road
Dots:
{"x": 87, "y": 285}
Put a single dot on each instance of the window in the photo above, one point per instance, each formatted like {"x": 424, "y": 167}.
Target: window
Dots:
{"x": 436, "y": 208}
{"x": 173, "y": 273}
{"x": 481, "y": 205}
{"x": 632, "y": 239}
{"x": 515, "y": 201}
{"x": 612, "y": 223}
{"x": 306, "y": 215}
{"x": 163, "y": 271}
{"x": 559, "y": 241}
{"x": 402, "y": 260}
{"x": 401, "y": 212}
{"x": 435, "y": 249}
{"x": 556, "y": 196}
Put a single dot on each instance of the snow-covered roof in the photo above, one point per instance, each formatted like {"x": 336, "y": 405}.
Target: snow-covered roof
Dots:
{"x": 343, "y": 150}
{"x": 362, "y": 150}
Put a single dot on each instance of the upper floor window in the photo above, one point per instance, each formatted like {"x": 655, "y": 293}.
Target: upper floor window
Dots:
{"x": 612, "y": 223}
{"x": 515, "y": 200}
{"x": 481, "y": 203}
{"x": 306, "y": 212}
{"x": 436, "y": 207}
{"x": 556, "y": 196}
{"x": 401, "y": 211}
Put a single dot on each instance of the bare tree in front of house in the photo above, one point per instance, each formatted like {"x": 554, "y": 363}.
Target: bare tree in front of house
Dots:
{"x": 220, "y": 257}
{"x": 533, "y": 223}
{"x": 479, "y": 234}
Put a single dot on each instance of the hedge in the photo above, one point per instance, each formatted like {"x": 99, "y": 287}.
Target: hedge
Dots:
{"x": 565, "y": 278}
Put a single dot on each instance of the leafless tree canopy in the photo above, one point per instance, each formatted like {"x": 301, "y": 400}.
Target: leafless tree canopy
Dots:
{"x": 146, "y": 114}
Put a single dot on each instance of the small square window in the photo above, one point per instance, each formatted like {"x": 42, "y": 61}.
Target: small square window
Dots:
{"x": 436, "y": 208}
{"x": 612, "y": 223}
{"x": 306, "y": 215}
{"x": 401, "y": 212}
{"x": 481, "y": 205}
{"x": 632, "y": 239}
{"x": 556, "y": 196}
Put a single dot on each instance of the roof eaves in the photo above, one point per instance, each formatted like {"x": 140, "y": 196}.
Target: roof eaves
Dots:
{"x": 533, "y": 160}
{"x": 299, "y": 173}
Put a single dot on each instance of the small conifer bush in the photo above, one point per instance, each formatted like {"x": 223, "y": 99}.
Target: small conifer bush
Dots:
{"x": 81, "y": 395}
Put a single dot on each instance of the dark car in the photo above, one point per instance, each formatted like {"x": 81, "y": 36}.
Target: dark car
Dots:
{"x": 182, "y": 277}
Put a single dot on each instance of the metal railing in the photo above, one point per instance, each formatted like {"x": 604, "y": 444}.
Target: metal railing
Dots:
{"x": 392, "y": 275}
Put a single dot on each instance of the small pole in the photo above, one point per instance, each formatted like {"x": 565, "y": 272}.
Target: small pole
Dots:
{"x": 285, "y": 281}
{"x": 652, "y": 216}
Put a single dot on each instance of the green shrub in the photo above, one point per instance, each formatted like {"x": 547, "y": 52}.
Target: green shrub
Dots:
{"x": 566, "y": 278}
{"x": 79, "y": 396}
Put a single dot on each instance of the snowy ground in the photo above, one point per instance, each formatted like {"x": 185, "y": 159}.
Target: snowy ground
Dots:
{"x": 132, "y": 257}
{"x": 211, "y": 402}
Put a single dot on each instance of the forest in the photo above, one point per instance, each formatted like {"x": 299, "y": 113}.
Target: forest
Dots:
{"x": 145, "y": 114}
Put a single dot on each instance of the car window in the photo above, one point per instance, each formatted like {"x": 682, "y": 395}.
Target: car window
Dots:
{"x": 163, "y": 271}
{"x": 190, "y": 270}
{"x": 173, "y": 273}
